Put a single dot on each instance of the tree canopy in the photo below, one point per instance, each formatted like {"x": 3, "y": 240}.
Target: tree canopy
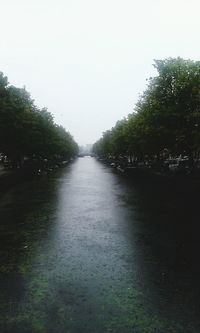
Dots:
{"x": 167, "y": 115}
{"x": 25, "y": 130}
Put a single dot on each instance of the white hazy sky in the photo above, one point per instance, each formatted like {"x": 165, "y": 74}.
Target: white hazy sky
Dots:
{"x": 87, "y": 61}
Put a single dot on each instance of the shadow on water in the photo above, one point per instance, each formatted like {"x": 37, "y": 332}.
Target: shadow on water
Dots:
{"x": 27, "y": 212}
{"x": 167, "y": 240}
{"x": 85, "y": 250}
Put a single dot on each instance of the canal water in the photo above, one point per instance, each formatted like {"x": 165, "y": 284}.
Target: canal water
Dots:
{"x": 86, "y": 250}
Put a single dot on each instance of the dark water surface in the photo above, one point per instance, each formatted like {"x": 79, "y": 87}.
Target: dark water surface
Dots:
{"x": 84, "y": 250}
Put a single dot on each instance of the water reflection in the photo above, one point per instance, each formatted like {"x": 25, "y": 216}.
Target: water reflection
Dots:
{"x": 168, "y": 242}
{"x": 86, "y": 250}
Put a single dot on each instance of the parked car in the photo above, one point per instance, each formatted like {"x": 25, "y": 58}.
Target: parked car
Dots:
{"x": 179, "y": 165}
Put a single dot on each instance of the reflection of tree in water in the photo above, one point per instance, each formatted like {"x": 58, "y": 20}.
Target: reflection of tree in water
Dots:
{"x": 118, "y": 267}
{"x": 26, "y": 213}
{"x": 168, "y": 245}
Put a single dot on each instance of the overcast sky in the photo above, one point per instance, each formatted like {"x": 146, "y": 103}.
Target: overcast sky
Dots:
{"x": 87, "y": 61}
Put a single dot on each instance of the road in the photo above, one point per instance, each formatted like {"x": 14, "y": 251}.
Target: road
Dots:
{"x": 85, "y": 250}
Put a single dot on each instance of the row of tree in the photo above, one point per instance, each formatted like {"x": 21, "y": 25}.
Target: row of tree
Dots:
{"x": 165, "y": 119}
{"x": 25, "y": 130}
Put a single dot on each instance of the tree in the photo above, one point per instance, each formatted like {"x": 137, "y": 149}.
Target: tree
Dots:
{"x": 167, "y": 115}
{"x": 27, "y": 130}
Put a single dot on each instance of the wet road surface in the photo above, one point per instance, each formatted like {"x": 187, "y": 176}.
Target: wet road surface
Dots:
{"x": 86, "y": 250}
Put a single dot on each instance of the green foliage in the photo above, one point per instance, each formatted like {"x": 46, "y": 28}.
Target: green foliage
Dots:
{"x": 27, "y": 130}
{"x": 166, "y": 116}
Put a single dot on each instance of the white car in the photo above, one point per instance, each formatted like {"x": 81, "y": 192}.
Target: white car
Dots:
{"x": 178, "y": 164}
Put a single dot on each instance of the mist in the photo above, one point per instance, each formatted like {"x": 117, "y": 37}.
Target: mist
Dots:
{"x": 88, "y": 61}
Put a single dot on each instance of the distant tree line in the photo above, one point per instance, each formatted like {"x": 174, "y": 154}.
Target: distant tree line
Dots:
{"x": 26, "y": 130}
{"x": 166, "y": 119}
